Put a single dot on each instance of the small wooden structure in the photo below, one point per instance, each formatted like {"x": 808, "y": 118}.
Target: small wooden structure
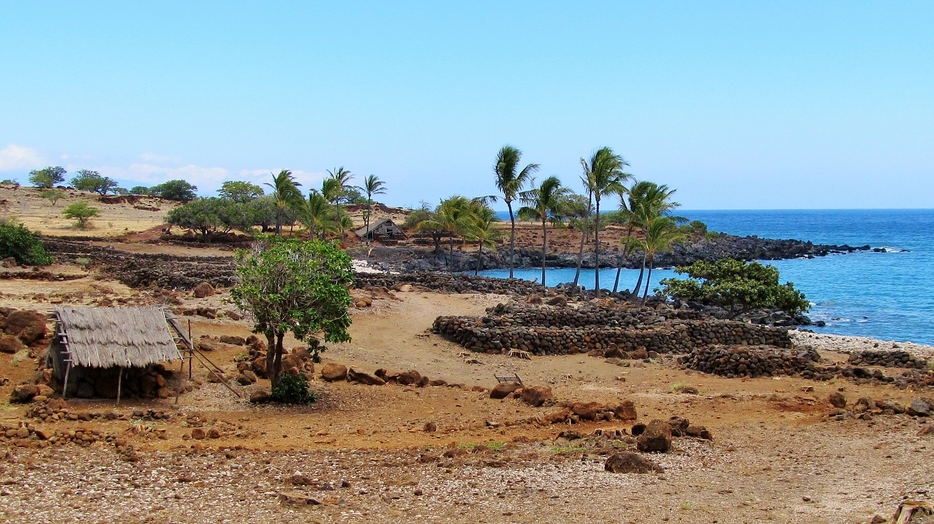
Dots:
{"x": 384, "y": 228}
{"x": 109, "y": 337}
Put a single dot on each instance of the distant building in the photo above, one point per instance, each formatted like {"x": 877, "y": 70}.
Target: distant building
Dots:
{"x": 380, "y": 230}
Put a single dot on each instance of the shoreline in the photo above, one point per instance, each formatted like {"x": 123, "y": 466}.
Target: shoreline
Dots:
{"x": 852, "y": 344}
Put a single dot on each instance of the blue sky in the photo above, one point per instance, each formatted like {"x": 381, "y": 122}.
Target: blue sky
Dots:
{"x": 737, "y": 105}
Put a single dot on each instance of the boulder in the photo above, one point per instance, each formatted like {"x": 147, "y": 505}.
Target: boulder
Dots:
{"x": 208, "y": 344}
{"x": 332, "y": 371}
{"x": 364, "y": 378}
{"x": 656, "y": 438}
{"x": 203, "y": 290}
{"x": 408, "y": 378}
{"x": 628, "y": 462}
{"x": 586, "y": 410}
{"x": 625, "y": 411}
{"x": 10, "y": 344}
{"x": 536, "y": 395}
{"x": 614, "y": 353}
{"x": 28, "y": 326}
{"x": 260, "y": 396}
{"x": 837, "y": 400}
{"x": 919, "y": 408}
{"x": 23, "y": 393}
{"x": 557, "y": 300}
{"x": 233, "y": 340}
{"x": 503, "y": 389}
{"x": 698, "y": 432}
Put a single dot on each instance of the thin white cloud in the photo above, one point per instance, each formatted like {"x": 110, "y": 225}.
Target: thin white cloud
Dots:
{"x": 206, "y": 179}
{"x": 16, "y": 158}
{"x": 159, "y": 159}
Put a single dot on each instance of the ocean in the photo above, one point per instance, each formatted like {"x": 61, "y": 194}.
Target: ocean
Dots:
{"x": 888, "y": 295}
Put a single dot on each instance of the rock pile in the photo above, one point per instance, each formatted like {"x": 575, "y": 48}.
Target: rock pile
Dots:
{"x": 894, "y": 359}
{"x": 544, "y": 330}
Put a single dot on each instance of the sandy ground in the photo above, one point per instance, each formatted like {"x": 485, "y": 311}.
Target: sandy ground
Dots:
{"x": 780, "y": 451}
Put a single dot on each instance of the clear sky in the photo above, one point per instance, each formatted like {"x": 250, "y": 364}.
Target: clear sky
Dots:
{"x": 737, "y": 105}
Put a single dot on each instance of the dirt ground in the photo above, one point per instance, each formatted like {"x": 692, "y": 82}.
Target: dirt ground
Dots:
{"x": 446, "y": 453}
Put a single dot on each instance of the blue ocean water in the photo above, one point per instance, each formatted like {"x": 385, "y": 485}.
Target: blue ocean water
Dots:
{"x": 889, "y": 296}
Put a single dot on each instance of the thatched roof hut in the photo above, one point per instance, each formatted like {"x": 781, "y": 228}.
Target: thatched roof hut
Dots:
{"x": 113, "y": 337}
{"x": 383, "y": 228}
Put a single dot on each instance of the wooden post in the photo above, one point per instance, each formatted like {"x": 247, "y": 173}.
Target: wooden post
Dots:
{"x": 65, "y": 384}
{"x": 191, "y": 350}
{"x": 119, "y": 386}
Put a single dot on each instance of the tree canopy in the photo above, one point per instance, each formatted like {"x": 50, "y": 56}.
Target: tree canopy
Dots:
{"x": 47, "y": 177}
{"x": 178, "y": 190}
{"x": 298, "y": 287}
{"x": 87, "y": 180}
{"x": 240, "y": 191}
{"x": 737, "y": 286}
{"x": 81, "y": 212}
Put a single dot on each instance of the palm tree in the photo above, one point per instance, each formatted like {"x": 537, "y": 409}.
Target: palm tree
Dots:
{"x": 603, "y": 175}
{"x": 580, "y": 215}
{"x": 510, "y": 183}
{"x": 316, "y": 215}
{"x": 541, "y": 202}
{"x": 372, "y": 185}
{"x": 660, "y": 233}
{"x": 480, "y": 228}
{"x": 647, "y": 200}
{"x": 286, "y": 195}
{"x": 331, "y": 190}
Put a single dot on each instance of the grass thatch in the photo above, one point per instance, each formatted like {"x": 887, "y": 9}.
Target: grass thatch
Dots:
{"x": 105, "y": 337}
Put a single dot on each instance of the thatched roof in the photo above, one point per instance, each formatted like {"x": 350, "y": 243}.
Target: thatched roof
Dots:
{"x": 105, "y": 337}
{"x": 364, "y": 231}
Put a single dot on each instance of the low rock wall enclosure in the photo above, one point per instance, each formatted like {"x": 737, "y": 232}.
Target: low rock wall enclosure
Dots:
{"x": 560, "y": 330}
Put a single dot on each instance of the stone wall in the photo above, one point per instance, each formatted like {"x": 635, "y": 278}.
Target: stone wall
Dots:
{"x": 556, "y": 330}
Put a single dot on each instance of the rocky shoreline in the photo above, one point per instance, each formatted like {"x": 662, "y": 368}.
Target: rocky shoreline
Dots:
{"x": 404, "y": 258}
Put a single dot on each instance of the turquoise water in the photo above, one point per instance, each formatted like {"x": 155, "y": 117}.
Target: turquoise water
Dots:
{"x": 888, "y": 295}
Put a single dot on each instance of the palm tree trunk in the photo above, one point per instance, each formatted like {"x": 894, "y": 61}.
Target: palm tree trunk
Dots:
{"x": 635, "y": 290}
{"x": 596, "y": 251}
{"x": 544, "y": 250}
{"x": 451, "y": 255}
{"x": 479, "y": 260}
{"x": 580, "y": 254}
{"x": 512, "y": 239}
{"x": 648, "y": 280}
{"x": 619, "y": 261}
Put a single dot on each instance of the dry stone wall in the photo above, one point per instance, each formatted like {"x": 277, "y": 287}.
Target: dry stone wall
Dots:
{"x": 553, "y": 331}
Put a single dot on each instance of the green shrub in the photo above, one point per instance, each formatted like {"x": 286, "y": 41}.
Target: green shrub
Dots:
{"x": 18, "y": 242}
{"x": 293, "y": 389}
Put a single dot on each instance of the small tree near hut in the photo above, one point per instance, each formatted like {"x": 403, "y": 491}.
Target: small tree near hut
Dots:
{"x": 294, "y": 286}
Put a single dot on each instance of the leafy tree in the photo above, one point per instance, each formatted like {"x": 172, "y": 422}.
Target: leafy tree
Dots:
{"x": 139, "y": 190}
{"x": 47, "y": 177}
{"x": 603, "y": 175}
{"x": 81, "y": 212}
{"x": 240, "y": 191}
{"x": 737, "y": 286}
{"x": 263, "y": 211}
{"x": 87, "y": 180}
{"x": 372, "y": 185}
{"x": 541, "y": 202}
{"x": 23, "y": 245}
{"x": 52, "y": 195}
{"x": 449, "y": 219}
{"x": 297, "y": 287}
{"x": 178, "y": 190}
{"x": 510, "y": 184}
{"x": 286, "y": 195}
{"x": 201, "y": 215}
